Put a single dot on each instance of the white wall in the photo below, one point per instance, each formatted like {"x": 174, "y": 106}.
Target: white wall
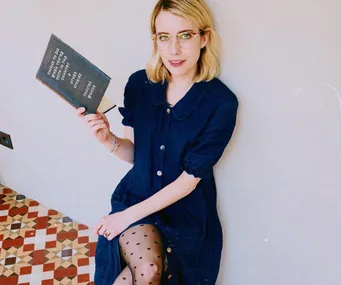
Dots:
{"x": 279, "y": 181}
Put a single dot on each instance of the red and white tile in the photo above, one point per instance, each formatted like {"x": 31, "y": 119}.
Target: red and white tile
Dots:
{"x": 41, "y": 246}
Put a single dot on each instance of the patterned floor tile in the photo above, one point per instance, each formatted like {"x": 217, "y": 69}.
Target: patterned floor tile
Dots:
{"x": 41, "y": 246}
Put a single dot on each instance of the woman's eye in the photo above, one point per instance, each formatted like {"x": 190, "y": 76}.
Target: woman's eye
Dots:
{"x": 185, "y": 36}
{"x": 163, "y": 37}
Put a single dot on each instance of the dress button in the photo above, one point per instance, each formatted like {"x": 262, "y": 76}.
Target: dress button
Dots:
{"x": 162, "y": 147}
{"x": 168, "y": 111}
{"x": 159, "y": 173}
{"x": 169, "y": 250}
{"x": 169, "y": 276}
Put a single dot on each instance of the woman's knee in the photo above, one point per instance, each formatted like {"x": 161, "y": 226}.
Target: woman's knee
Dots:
{"x": 150, "y": 272}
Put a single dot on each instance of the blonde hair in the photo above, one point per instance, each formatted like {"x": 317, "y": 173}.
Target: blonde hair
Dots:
{"x": 197, "y": 11}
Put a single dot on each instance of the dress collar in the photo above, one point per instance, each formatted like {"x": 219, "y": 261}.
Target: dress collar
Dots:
{"x": 186, "y": 105}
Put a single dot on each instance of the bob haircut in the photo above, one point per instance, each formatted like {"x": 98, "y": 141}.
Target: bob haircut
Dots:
{"x": 198, "y": 12}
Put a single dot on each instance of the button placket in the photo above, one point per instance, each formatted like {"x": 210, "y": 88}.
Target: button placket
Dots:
{"x": 169, "y": 250}
{"x": 162, "y": 146}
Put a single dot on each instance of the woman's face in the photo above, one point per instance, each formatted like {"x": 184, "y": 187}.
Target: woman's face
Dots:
{"x": 179, "y": 54}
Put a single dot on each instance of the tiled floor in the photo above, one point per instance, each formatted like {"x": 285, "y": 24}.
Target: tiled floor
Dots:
{"x": 40, "y": 246}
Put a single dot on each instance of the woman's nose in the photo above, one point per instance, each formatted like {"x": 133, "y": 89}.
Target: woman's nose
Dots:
{"x": 174, "y": 47}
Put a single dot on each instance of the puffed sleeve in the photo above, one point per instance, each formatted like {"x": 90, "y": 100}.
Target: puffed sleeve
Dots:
{"x": 127, "y": 111}
{"x": 211, "y": 143}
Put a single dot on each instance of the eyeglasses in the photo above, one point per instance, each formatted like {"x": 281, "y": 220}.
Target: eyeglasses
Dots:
{"x": 185, "y": 39}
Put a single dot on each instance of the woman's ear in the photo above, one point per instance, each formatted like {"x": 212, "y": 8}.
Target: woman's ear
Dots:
{"x": 204, "y": 38}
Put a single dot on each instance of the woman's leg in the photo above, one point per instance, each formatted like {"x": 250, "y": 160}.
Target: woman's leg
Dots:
{"x": 125, "y": 277}
{"x": 142, "y": 250}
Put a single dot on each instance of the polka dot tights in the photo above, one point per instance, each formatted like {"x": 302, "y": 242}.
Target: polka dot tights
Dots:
{"x": 142, "y": 251}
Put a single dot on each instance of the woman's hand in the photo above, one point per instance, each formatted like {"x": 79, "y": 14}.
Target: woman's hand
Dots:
{"x": 98, "y": 125}
{"x": 112, "y": 225}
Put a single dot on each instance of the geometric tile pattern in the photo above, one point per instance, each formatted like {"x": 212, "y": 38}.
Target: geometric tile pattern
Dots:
{"x": 41, "y": 246}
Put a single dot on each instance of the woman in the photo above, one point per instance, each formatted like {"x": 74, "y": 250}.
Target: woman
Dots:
{"x": 178, "y": 118}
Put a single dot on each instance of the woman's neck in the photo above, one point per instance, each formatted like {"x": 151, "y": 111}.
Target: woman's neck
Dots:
{"x": 183, "y": 81}
{"x": 178, "y": 87}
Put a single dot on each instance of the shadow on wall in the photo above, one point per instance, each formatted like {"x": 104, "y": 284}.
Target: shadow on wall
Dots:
{"x": 2, "y": 182}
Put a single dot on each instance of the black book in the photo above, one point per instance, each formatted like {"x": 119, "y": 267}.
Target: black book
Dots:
{"x": 74, "y": 78}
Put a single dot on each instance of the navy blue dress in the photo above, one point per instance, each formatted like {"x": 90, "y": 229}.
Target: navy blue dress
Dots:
{"x": 190, "y": 136}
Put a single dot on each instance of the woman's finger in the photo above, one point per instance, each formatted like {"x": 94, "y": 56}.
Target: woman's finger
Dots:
{"x": 104, "y": 117}
{"x": 98, "y": 127}
{"x": 102, "y": 230}
{"x": 98, "y": 227}
{"x": 80, "y": 111}
{"x": 90, "y": 117}
{"x": 111, "y": 236}
{"x": 95, "y": 122}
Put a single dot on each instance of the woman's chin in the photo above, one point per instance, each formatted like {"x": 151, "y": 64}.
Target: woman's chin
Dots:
{"x": 177, "y": 71}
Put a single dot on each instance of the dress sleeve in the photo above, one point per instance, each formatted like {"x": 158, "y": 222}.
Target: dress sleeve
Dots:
{"x": 127, "y": 111}
{"x": 211, "y": 143}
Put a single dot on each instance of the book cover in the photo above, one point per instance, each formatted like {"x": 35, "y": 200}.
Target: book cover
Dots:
{"x": 73, "y": 77}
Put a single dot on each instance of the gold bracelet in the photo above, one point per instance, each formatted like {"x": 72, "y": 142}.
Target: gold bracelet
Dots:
{"x": 116, "y": 145}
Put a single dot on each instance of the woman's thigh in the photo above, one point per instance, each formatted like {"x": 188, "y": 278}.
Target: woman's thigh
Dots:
{"x": 142, "y": 250}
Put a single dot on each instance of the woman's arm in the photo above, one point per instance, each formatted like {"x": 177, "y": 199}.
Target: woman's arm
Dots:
{"x": 99, "y": 126}
{"x": 112, "y": 225}
{"x": 125, "y": 150}
{"x": 170, "y": 194}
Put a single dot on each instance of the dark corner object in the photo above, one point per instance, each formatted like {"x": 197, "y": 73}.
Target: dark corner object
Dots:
{"x": 5, "y": 140}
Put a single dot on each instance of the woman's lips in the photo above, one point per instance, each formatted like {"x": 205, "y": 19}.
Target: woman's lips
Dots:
{"x": 176, "y": 63}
